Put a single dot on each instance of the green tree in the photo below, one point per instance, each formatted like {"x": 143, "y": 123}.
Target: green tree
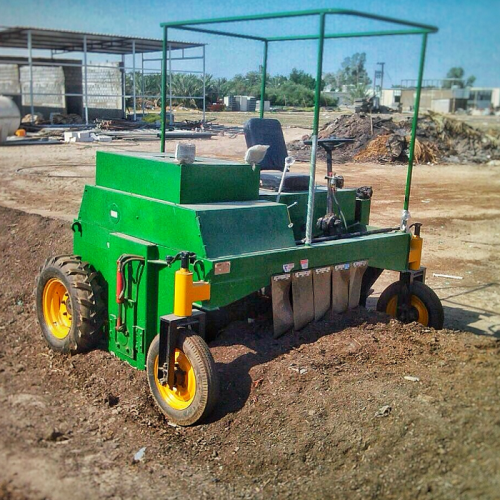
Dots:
{"x": 456, "y": 78}
{"x": 353, "y": 71}
{"x": 300, "y": 77}
{"x": 330, "y": 79}
{"x": 217, "y": 89}
{"x": 470, "y": 81}
{"x": 359, "y": 91}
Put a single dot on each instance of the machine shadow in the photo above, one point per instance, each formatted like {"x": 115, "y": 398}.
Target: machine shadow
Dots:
{"x": 462, "y": 316}
{"x": 257, "y": 346}
{"x": 459, "y": 318}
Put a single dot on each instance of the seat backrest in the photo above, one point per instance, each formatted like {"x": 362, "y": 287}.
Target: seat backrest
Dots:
{"x": 267, "y": 131}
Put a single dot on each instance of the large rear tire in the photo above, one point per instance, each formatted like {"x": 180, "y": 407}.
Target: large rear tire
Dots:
{"x": 426, "y": 308}
{"x": 69, "y": 303}
{"x": 196, "y": 387}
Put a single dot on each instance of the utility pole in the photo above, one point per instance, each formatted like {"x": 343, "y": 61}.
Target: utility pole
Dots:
{"x": 379, "y": 76}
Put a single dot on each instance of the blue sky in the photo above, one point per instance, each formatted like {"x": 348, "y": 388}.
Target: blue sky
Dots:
{"x": 469, "y": 34}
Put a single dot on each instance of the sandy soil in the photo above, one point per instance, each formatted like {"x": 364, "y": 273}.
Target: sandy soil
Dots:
{"x": 324, "y": 413}
{"x": 458, "y": 204}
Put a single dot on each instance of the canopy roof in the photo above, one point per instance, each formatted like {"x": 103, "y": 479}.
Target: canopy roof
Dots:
{"x": 410, "y": 28}
{"x": 16, "y": 37}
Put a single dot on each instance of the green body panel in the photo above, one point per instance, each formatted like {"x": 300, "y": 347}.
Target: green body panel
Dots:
{"x": 252, "y": 271}
{"x": 157, "y": 175}
{"x": 254, "y": 236}
{"x": 363, "y": 211}
{"x": 298, "y": 213}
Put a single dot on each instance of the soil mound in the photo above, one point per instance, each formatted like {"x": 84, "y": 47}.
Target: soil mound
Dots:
{"x": 380, "y": 138}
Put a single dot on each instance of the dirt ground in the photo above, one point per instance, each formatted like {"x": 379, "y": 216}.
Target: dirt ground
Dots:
{"x": 323, "y": 413}
{"x": 459, "y": 206}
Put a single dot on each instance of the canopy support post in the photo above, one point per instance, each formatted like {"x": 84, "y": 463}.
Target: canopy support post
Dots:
{"x": 86, "y": 81}
{"x": 30, "y": 61}
{"x": 314, "y": 136}
{"x": 163, "y": 89}
{"x": 263, "y": 81}
{"x": 134, "y": 92}
{"x": 170, "y": 118}
{"x": 411, "y": 155}
{"x": 204, "y": 88}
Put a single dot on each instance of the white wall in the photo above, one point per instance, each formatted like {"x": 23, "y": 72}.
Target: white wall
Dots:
{"x": 46, "y": 80}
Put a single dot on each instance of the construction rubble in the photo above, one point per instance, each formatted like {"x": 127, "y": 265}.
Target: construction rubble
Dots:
{"x": 382, "y": 139}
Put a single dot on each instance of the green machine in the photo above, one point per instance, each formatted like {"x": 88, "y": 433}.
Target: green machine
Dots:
{"x": 167, "y": 250}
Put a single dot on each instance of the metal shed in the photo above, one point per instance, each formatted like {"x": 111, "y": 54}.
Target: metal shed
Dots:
{"x": 59, "y": 42}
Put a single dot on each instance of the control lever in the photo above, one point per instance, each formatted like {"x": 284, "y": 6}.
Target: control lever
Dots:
{"x": 289, "y": 161}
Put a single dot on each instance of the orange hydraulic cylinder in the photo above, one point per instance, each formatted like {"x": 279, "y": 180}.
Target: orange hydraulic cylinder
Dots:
{"x": 415, "y": 256}
{"x": 187, "y": 292}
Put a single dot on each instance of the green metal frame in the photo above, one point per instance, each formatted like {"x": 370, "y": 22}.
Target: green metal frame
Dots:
{"x": 411, "y": 28}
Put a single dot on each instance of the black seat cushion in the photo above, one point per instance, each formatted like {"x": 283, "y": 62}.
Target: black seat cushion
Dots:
{"x": 267, "y": 131}
{"x": 271, "y": 179}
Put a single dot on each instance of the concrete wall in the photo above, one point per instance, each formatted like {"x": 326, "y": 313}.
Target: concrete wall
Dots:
{"x": 46, "y": 80}
{"x": 9, "y": 79}
{"x": 484, "y": 97}
{"x": 105, "y": 79}
{"x": 427, "y": 97}
{"x": 390, "y": 98}
{"x": 267, "y": 106}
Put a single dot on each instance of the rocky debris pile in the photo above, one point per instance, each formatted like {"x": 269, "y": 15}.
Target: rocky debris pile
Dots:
{"x": 65, "y": 119}
{"x": 359, "y": 126}
{"x": 36, "y": 119}
{"x": 395, "y": 147}
{"x": 380, "y": 138}
{"x": 457, "y": 142}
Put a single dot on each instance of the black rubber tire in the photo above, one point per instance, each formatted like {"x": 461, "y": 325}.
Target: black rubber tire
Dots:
{"x": 207, "y": 380}
{"x": 429, "y": 298}
{"x": 86, "y": 299}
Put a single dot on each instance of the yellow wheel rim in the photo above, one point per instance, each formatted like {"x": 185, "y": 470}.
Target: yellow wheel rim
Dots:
{"x": 184, "y": 390}
{"x": 57, "y": 308}
{"x": 416, "y": 303}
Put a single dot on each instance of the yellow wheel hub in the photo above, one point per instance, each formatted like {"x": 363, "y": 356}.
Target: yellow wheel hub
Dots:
{"x": 416, "y": 303}
{"x": 57, "y": 308}
{"x": 184, "y": 390}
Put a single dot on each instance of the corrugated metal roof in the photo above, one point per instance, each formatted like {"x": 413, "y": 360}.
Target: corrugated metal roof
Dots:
{"x": 16, "y": 37}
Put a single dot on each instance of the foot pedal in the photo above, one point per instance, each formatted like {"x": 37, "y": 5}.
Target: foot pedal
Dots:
{"x": 303, "y": 300}
{"x": 340, "y": 288}
{"x": 356, "y": 278}
{"x": 322, "y": 284}
{"x": 282, "y": 308}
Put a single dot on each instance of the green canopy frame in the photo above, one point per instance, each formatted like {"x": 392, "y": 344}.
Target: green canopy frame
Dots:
{"x": 408, "y": 28}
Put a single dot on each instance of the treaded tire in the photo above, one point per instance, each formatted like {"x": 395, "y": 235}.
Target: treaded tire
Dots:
{"x": 207, "y": 382}
{"x": 422, "y": 292}
{"x": 88, "y": 310}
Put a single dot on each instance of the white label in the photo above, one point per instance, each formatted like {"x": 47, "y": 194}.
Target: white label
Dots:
{"x": 281, "y": 277}
{"x": 302, "y": 274}
{"x": 304, "y": 263}
{"x": 360, "y": 263}
{"x": 322, "y": 270}
{"x": 288, "y": 267}
{"x": 342, "y": 267}
{"x": 114, "y": 214}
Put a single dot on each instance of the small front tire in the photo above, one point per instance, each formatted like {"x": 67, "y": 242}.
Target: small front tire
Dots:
{"x": 426, "y": 308}
{"x": 196, "y": 387}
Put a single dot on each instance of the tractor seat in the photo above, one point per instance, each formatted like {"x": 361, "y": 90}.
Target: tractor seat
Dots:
{"x": 269, "y": 132}
{"x": 270, "y": 180}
